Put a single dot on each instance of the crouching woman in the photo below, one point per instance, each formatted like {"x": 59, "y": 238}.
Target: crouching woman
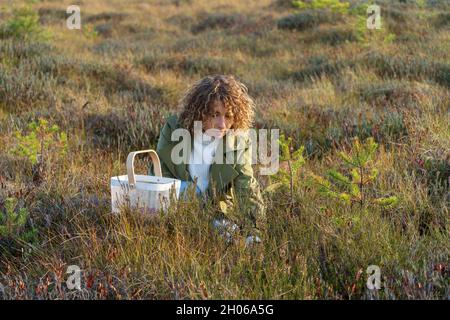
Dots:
{"x": 217, "y": 162}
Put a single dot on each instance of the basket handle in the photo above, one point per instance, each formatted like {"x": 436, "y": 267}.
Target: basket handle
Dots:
{"x": 130, "y": 164}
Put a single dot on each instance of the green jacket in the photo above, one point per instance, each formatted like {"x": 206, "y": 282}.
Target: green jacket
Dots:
{"x": 232, "y": 186}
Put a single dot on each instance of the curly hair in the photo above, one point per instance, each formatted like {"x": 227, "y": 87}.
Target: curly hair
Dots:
{"x": 234, "y": 95}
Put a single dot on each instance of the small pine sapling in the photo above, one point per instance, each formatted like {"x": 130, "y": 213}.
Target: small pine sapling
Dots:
{"x": 357, "y": 185}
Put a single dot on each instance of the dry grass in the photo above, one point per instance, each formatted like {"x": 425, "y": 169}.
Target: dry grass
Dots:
{"x": 110, "y": 86}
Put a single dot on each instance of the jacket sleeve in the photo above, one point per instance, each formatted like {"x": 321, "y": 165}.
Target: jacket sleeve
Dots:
{"x": 247, "y": 195}
{"x": 163, "y": 141}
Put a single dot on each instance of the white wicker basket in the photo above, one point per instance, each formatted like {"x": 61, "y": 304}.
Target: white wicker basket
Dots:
{"x": 146, "y": 193}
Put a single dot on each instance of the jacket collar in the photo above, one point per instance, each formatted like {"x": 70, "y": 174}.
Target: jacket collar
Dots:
{"x": 221, "y": 174}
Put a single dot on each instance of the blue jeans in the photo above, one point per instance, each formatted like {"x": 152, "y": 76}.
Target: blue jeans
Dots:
{"x": 185, "y": 184}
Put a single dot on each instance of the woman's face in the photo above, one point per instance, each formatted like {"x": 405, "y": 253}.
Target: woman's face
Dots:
{"x": 219, "y": 120}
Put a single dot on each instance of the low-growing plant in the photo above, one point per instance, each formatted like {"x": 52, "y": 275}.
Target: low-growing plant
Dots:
{"x": 142, "y": 123}
{"x": 437, "y": 173}
{"x": 333, "y": 5}
{"x": 316, "y": 246}
{"x": 41, "y": 145}
{"x": 294, "y": 161}
{"x": 13, "y": 222}
{"x": 368, "y": 36}
{"x": 21, "y": 90}
{"x": 24, "y": 24}
{"x": 393, "y": 126}
{"x": 409, "y": 68}
{"x": 358, "y": 188}
{"x": 90, "y": 32}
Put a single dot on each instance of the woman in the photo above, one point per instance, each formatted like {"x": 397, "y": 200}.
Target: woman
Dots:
{"x": 219, "y": 103}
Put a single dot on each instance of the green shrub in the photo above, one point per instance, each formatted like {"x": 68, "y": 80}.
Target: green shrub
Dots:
{"x": 24, "y": 25}
{"x": 43, "y": 145}
{"x": 333, "y": 5}
{"x": 395, "y": 20}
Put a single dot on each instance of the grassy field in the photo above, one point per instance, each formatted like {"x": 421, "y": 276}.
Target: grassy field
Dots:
{"x": 73, "y": 103}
